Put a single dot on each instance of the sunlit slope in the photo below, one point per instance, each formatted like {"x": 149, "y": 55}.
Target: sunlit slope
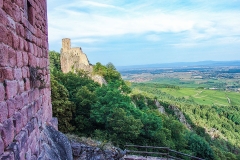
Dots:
{"x": 216, "y": 111}
{"x": 199, "y": 96}
{"x": 205, "y": 97}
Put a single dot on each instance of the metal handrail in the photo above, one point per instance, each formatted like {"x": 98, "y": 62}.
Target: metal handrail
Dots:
{"x": 143, "y": 152}
{"x": 167, "y": 154}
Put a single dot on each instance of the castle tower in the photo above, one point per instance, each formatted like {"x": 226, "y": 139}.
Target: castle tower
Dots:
{"x": 66, "y": 44}
{"x": 73, "y": 59}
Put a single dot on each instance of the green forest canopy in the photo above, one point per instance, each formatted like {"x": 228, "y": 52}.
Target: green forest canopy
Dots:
{"x": 114, "y": 113}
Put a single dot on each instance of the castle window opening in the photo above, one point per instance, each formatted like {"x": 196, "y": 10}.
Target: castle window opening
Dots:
{"x": 30, "y": 12}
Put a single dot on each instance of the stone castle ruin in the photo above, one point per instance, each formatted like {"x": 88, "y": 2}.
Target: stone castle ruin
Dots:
{"x": 73, "y": 59}
{"x": 25, "y": 95}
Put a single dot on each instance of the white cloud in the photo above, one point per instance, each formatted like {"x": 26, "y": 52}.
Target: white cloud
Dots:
{"x": 103, "y": 5}
{"x": 77, "y": 24}
{"x": 153, "y": 38}
{"x": 85, "y": 40}
{"x": 185, "y": 45}
{"x": 70, "y": 20}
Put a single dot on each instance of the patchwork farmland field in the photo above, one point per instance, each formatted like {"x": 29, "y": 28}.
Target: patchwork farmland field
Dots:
{"x": 194, "y": 95}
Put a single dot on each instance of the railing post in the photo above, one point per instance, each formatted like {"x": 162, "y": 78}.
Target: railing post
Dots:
{"x": 146, "y": 152}
{"x": 167, "y": 153}
{"x": 126, "y": 148}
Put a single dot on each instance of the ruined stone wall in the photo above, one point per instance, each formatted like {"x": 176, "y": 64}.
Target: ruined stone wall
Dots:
{"x": 25, "y": 103}
{"x": 73, "y": 58}
{"x": 66, "y": 44}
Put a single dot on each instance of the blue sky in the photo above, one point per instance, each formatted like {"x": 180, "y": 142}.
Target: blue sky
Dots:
{"x": 133, "y": 32}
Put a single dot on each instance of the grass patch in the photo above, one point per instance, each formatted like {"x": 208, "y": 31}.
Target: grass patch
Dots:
{"x": 199, "y": 96}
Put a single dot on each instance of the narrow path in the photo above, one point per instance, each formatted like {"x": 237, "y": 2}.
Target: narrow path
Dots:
{"x": 197, "y": 93}
{"x": 229, "y": 100}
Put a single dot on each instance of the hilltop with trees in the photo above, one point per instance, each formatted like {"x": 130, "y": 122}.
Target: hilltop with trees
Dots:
{"x": 113, "y": 112}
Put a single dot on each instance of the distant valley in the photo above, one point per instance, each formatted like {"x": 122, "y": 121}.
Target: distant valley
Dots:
{"x": 181, "y": 65}
{"x": 202, "y": 83}
{"x": 208, "y": 75}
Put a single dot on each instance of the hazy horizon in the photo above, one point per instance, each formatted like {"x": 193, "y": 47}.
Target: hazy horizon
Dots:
{"x": 147, "y": 32}
{"x": 182, "y": 64}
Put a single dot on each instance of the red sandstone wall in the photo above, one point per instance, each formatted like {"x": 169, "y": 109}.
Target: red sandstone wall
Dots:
{"x": 25, "y": 102}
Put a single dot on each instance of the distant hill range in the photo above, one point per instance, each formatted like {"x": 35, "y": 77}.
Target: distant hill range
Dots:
{"x": 181, "y": 65}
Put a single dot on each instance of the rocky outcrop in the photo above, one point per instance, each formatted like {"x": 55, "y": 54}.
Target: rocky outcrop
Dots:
{"x": 99, "y": 79}
{"x": 161, "y": 109}
{"x": 180, "y": 116}
{"x": 83, "y": 151}
{"x": 214, "y": 133}
{"x": 176, "y": 111}
{"x": 54, "y": 145}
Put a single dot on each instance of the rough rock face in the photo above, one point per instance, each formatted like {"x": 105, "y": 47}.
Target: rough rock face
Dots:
{"x": 99, "y": 79}
{"x": 161, "y": 109}
{"x": 85, "y": 152}
{"x": 54, "y": 145}
{"x": 73, "y": 59}
{"x": 214, "y": 133}
{"x": 177, "y": 112}
{"x": 180, "y": 116}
